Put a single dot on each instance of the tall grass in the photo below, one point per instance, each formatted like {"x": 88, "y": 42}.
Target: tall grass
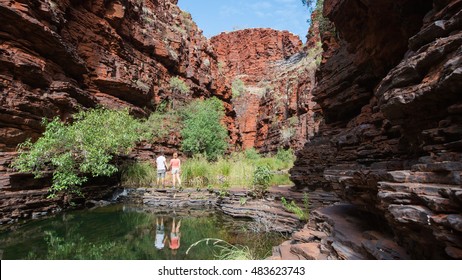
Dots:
{"x": 236, "y": 170}
{"x": 196, "y": 172}
{"x": 139, "y": 174}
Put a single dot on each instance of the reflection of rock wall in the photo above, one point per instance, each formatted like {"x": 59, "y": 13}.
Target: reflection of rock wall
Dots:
{"x": 274, "y": 110}
{"x": 390, "y": 144}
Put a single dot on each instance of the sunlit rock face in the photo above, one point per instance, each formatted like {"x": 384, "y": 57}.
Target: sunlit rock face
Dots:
{"x": 275, "y": 109}
{"x": 57, "y": 57}
{"x": 390, "y": 144}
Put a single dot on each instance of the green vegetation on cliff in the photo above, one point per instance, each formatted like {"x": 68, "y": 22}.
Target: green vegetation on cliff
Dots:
{"x": 178, "y": 85}
{"x": 324, "y": 24}
{"x": 202, "y": 132}
{"x": 81, "y": 149}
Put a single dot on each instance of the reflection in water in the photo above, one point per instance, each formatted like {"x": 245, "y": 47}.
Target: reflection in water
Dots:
{"x": 161, "y": 239}
{"x": 123, "y": 232}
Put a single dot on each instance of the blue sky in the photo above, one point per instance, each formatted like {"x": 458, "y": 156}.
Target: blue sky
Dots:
{"x": 216, "y": 16}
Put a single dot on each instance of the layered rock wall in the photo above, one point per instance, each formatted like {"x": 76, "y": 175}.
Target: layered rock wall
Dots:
{"x": 390, "y": 142}
{"x": 275, "y": 110}
{"x": 57, "y": 57}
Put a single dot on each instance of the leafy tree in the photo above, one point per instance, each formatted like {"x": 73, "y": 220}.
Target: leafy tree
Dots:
{"x": 81, "y": 149}
{"x": 203, "y": 132}
{"x": 317, "y": 6}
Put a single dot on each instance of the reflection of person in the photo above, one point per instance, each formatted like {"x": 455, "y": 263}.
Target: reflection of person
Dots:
{"x": 161, "y": 163}
{"x": 175, "y": 236}
{"x": 160, "y": 234}
{"x": 175, "y": 164}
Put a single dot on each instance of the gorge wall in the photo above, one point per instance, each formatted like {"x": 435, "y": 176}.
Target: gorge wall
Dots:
{"x": 57, "y": 57}
{"x": 274, "y": 107}
{"x": 390, "y": 142}
{"x": 381, "y": 131}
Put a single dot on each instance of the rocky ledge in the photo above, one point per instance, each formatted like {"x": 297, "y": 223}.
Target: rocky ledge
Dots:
{"x": 268, "y": 211}
{"x": 341, "y": 232}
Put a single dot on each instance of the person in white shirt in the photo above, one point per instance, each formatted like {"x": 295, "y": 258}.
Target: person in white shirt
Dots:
{"x": 161, "y": 163}
{"x": 161, "y": 239}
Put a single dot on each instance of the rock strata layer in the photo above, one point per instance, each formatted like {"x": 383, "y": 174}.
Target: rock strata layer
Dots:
{"x": 58, "y": 57}
{"x": 390, "y": 140}
{"x": 274, "y": 106}
{"x": 268, "y": 214}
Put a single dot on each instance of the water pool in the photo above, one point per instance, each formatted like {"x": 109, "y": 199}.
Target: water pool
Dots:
{"x": 126, "y": 232}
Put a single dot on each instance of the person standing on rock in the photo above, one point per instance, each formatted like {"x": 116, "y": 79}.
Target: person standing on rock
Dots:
{"x": 161, "y": 163}
{"x": 175, "y": 164}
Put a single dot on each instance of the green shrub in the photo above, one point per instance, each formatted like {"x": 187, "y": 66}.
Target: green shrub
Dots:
{"x": 262, "y": 176}
{"x": 237, "y": 88}
{"x": 178, "y": 85}
{"x": 261, "y": 180}
{"x": 203, "y": 133}
{"x": 81, "y": 149}
{"x": 285, "y": 155}
{"x": 160, "y": 124}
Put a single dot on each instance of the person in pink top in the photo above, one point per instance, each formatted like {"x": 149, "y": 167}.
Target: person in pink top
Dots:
{"x": 175, "y": 164}
{"x": 175, "y": 236}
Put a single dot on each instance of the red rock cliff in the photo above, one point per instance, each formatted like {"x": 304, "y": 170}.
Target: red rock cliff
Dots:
{"x": 59, "y": 56}
{"x": 276, "y": 78}
{"x": 390, "y": 141}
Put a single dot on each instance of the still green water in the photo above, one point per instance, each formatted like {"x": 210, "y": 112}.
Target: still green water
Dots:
{"x": 124, "y": 232}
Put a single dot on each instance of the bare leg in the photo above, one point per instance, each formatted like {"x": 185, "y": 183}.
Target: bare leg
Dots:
{"x": 178, "y": 226}
{"x": 173, "y": 178}
{"x": 173, "y": 225}
{"x": 178, "y": 178}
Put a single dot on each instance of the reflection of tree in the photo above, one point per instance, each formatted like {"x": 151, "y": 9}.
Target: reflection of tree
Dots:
{"x": 72, "y": 247}
{"x": 108, "y": 233}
